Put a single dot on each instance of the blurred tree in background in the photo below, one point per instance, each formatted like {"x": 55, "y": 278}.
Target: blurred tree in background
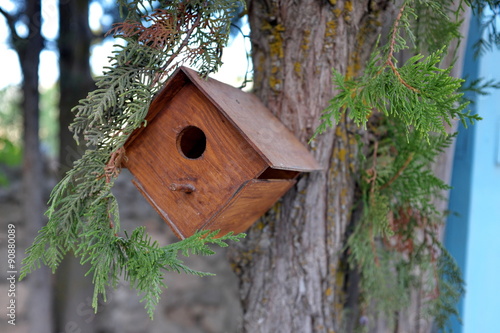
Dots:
{"x": 32, "y": 117}
{"x": 28, "y": 49}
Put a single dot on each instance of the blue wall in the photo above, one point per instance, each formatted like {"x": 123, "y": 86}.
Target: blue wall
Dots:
{"x": 473, "y": 233}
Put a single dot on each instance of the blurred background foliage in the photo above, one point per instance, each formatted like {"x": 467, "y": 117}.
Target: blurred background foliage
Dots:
{"x": 11, "y": 127}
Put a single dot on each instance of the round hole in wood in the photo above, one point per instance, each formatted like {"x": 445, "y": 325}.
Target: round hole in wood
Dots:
{"x": 191, "y": 142}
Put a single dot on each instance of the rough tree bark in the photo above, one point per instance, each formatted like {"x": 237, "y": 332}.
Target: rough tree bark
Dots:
{"x": 290, "y": 265}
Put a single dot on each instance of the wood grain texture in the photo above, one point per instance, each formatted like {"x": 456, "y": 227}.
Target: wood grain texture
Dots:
{"x": 267, "y": 135}
{"x": 160, "y": 102}
{"x": 203, "y": 145}
{"x": 249, "y": 203}
{"x": 227, "y": 162}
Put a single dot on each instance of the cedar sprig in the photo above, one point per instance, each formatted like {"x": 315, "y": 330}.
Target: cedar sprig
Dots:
{"x": 83, "y": 215}
{"x": 394, "y": 245}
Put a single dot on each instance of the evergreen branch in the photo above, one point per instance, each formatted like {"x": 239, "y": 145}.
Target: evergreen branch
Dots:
{"x": 112, "y": 168}
{"x": 420, "y": 94}
{"x": 479, "y": 86}
{"x": 390, "y": 55}
{"x": 398, "y": 173}
{"x": 438, "y": 24}
{"x": 386, "y": 245}
{"x": 83, "y": 213}
{"x": 406, "y": 109}
{"x": 490, "y": 33}
{"x": 373, "y": 171}
{"x": 184, "y": 43}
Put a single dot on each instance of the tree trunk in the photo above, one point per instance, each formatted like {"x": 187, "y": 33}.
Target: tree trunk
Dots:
{"x": 75, "y": 80}
{"x": 40, "y": 295}
{"x": 290, "y": 264}
{"x": 73, "y": 288}
{"x": 292, "y": 269}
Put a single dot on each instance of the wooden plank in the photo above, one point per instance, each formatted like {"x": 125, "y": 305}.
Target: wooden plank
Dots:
{"x": 251, "y": 202}
{"x": 161, "y": 101}
{"x": 159, "y": 209}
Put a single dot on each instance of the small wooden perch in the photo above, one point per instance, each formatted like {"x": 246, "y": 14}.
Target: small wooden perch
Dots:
{"x": 186, "y": 188}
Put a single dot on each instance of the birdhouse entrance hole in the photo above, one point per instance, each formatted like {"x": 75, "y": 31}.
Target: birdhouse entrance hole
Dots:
{"x": 191, "y": 142}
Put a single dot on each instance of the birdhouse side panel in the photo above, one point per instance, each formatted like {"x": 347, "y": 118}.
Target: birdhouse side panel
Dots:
{"x": 161, "y": 101}
{"x": 190, "y": 160}
{"x": 252, "y": 201}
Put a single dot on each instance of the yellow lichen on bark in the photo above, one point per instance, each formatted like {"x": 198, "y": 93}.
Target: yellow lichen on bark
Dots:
{"x": 297, "y": 67}
{"x": 305, "y": 42}
{"x": 342, "y": 152}
{"x": 275, "y": 51}
{"x": 275, "y": 83}
{"x": 276, "y": 40}
{"x": 348, "y": 7}
{"x": 331, "y": 29}
{"x": 355, "y": 63}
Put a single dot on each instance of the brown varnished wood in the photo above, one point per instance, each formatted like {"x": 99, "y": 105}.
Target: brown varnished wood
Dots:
{"x": 154, "y": 159}
{"x": 237, "y": 162}
{"x": 251, "y": 201}
{"x": 160, "y": 210}
{"x": 161, "y": 102}
{"x": 258, "y": 125}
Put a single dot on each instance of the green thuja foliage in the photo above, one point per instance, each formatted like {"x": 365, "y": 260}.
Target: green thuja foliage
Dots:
{"x": 406, "y": 110}
{"x": 420, "y": 94}
{"x": 83, "y": 214}
{"x": 395, "y": 244}
{"x": 431, "y": 29}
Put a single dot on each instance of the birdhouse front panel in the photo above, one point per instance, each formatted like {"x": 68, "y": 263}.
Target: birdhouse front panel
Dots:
{"x": 189, "y": 161}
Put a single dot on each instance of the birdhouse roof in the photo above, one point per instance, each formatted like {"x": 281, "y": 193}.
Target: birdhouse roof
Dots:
{"x": 265, "y": 133}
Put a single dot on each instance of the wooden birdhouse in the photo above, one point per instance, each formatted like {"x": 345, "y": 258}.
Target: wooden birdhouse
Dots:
{"x": 212, "y": 156}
